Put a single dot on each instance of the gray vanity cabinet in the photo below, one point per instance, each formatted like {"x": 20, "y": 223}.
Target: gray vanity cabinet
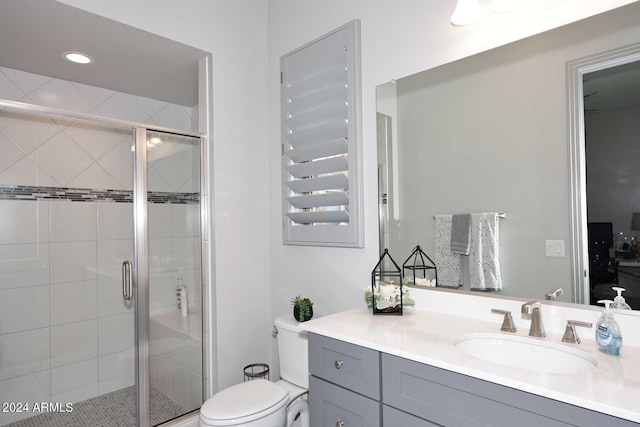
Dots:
{"x": 361, "y": 387}
{"x": 344, "y": 387}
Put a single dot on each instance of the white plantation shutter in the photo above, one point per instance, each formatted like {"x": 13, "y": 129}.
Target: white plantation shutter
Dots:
{"x": 321, "y": 148}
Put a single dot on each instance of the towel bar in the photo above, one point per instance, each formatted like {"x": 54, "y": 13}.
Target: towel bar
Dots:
{"x": 500, "y": 215}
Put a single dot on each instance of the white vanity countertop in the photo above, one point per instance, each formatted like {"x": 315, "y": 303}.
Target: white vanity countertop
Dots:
{"x": 613, "y": 387}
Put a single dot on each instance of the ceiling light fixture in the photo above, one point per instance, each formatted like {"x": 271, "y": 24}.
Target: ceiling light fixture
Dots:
{"x": 467, "y": 12}
{"x": 77, "y": 57}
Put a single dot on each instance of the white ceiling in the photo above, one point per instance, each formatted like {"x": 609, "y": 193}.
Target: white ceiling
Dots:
{"x": 35, "y": 33}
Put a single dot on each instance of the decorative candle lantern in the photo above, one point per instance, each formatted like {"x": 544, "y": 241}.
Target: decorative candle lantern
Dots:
{"x": 386, "y": 286}
{"x": 423, "y": 271}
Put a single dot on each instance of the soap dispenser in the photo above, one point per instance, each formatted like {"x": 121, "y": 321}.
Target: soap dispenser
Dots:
{"x": 619, "y": 302}
{"x": 608, "y": 334}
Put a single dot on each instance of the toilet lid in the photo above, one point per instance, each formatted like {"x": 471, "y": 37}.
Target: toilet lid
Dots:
{"x": 245, "y": 402}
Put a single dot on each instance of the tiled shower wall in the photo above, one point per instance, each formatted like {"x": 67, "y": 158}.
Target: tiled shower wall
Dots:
{"x": 66, "y": 334}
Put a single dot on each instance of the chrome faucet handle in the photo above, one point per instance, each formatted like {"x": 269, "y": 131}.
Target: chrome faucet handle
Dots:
{"x": 527, "y": 307}
{"x": 570, "y": 333}
{"x": 537, "y": 328}
{"x": 507, "y": 323}
{"x": 553, "y": 294}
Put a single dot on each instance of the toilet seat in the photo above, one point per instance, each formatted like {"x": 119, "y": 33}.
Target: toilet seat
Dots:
{"x": 243, "y": 403}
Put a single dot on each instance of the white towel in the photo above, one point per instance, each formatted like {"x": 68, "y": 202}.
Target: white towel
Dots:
{"x": 484, "y": 254}
{"x": 449, "y": 265}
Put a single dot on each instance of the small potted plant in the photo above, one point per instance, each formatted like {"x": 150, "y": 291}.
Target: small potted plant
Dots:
{"x": 302, "y": 308}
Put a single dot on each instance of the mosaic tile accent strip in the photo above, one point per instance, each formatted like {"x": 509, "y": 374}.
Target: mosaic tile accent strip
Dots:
{"x": 115, "y": 409}
{"x": 22, "y": 192}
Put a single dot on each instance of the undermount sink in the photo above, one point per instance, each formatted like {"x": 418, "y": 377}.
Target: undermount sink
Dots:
{"x": 526, "y": 353}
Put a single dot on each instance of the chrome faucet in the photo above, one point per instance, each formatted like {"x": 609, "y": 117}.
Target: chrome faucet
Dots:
{"x": 537, "y": 328}
{"x": 553, "y": 294}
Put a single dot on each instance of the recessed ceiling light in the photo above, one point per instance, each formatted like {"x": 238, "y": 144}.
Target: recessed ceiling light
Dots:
{"x": 77, "y": 57}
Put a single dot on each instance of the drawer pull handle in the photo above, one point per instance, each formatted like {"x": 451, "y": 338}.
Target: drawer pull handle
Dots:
{"x": 340, "y": 424}
{"x": 338, "y": 364}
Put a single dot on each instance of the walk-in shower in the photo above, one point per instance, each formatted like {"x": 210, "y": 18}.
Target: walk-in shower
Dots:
{"x": 81, "y": 197}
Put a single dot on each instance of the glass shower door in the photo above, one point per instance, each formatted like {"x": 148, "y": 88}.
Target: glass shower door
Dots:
{"x": 66, "y": 334}
{"x": 100, "y": 240}
{"x": 175, "y": 285}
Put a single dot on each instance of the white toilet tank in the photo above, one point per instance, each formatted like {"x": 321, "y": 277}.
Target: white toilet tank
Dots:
{"x": 293, "y": 353}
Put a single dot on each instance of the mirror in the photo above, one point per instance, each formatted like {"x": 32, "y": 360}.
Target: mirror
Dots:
{"x": 490, "y": 133}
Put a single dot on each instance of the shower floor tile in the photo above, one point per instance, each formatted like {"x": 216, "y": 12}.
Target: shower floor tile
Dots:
{"x": 116, "y": 409}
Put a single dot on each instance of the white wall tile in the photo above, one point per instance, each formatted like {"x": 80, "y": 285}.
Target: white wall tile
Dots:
{"x": 96, "y": 140}
{"x": 150, "y": 106}
{"x": 157, "y": 182}
{"x": 8, "y": 90}
{"x": 24, "y": 353}
{"x": 73, "y": 342}
{"x": 24, "y": 265}
{"x": 115, "y": 221}
{"x": 24, "y": 221}
{"x": 173, "y": 116}
{"x": 9, "y": 153}
{"x": 75, "y": 382}
{"x": 61, "y": 158}
{"x": 73, "y": 261}
{"x": 160, "y": 219}
{"x": 73, "y": 302}
{"x": 26, "y": 82}
{"x": 111, "y": 255}
{"x": 61, "y": 94}
{"x": 162, "y": 290}
{"x": 123, "y": 106}
{"x": 30, "y": 388}
{"x": 110, "y": 300}
{"x": 22, "y": 309}
{"x": 26, "y": 172}
{"x": 160, "y": 255}
{"x": 118, "y": 162}
{"x": 95, "y": 95}
{"x": 186, "y": 220}
{"x": 94, "y": 177}
{"x": 27, "y": 132}
{"x": 187, "y": 253}
{"x": 174, "y": 169}
{"x": 73, "y": 221}
{"x": 116, "y": 371}
{"x": 116, "y": 334}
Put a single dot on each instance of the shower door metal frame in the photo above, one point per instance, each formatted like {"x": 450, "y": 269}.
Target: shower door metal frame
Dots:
{"x": 140, "y": 237}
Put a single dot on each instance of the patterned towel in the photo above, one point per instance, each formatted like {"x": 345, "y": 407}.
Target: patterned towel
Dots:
{"x": 484, "y": 255}
{"x": 449, "y": 264}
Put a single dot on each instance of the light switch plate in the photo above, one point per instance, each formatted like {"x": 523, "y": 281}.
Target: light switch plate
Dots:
{"x": 554, "y": 248}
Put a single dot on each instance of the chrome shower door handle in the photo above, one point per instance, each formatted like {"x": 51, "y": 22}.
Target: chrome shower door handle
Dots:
{"x": 127, "y": 282}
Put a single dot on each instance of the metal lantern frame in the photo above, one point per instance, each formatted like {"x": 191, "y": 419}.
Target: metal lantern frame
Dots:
{"x": 378, "y": 275}
{"x": 417, "y": 262}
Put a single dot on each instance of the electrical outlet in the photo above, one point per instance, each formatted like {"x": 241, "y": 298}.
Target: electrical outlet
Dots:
{"x": 554, "y": 248}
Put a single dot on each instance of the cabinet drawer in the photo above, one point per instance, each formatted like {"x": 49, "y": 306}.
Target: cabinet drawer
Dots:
{"x": 330, "y": 405}
{"x": 451, "y": 399}
{"x": 393, "y": 418}
{"x": 348, "y": 365}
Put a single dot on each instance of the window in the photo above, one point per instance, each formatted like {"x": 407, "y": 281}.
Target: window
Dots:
{"x": 321, "y": 146}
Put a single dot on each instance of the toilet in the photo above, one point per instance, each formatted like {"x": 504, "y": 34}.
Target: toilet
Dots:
{"x": 262, "y": 403}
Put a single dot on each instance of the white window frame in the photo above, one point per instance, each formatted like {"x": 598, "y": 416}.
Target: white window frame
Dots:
{"x": 340, "y": 226}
